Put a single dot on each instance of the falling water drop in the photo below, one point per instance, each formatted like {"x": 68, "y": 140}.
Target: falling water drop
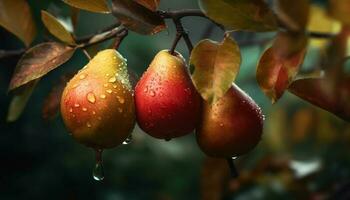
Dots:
{"x": 98, "y": 173}
{"x": 128, "y": 140}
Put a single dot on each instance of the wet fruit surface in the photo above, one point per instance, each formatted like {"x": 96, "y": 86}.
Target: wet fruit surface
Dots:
{"x": 167, "y": 104}
{"x": 232, "y": 126}
{"x": 97, "y": 105}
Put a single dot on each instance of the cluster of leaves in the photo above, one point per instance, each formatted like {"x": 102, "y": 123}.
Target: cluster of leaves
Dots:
{"x": 216, "y": 64}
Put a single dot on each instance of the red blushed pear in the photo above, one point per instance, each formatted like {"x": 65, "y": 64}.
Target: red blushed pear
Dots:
{"x": 167, "y": 103}
{"x": 231, "y": 126}
{"x": 97, "y": 105}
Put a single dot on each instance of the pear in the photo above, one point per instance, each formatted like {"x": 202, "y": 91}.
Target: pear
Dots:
{"x": 97, "y": 105}
{"x": 231, "y": 126}
{"x": 167, "y": 103}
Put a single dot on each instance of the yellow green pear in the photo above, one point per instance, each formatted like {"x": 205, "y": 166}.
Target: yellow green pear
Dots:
{"x": 97, "y": 105}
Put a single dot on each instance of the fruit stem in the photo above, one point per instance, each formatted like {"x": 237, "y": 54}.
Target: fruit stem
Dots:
{"x": 233, "y": 169}
{"x": 176, "y": 41}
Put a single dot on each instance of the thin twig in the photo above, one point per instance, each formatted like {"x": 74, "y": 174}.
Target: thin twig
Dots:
{"x": 176, "y": 41}
{"x": 119, "y": 38}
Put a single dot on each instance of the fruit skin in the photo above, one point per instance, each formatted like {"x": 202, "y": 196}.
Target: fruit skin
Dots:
{"x": 231, "y": 126}
{"x": 97, "y": 104}
{"x": 167, "y": 103}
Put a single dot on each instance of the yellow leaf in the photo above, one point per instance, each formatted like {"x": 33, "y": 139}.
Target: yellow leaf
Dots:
{"x": 99, "y": 6}
{"x": 216, "y": 66}
{"x": 56, "y": 28}
{"x": 16, "y": 17}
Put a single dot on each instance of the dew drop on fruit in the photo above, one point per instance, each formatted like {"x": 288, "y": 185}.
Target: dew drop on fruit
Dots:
{"x": 121, "y": 99}
{"x": 128, "y": 140}
{"x": 76, "y": 105}
{"x": 91, "y": 97}
{"x": 145, "y": 90}
{"x": 112, "y": 80}
{"x": 98, "y": 173}
{"x": 84, "y": 109}
{"x": 109, "y": 91}
{"x": 82, "y": 76}
{"x": 152, "y": 93}
{"x": 70, "y": 110}
{"x": 102, "y": 96}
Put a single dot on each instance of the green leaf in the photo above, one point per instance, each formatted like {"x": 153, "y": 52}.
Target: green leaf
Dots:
{"x": 279, "y": 64}
{"x": 16, "y": 17}
{"x": 150, "y": 4}
{"x": 38, "y": 61}
{"x": 99, "y": 6}
{"x": 216, "y": 66}
{"x": 19, "y": 100}
{"x": 137, "y": 18}
{"x": 252, "y": 15}
{"x": 56, "y": 28}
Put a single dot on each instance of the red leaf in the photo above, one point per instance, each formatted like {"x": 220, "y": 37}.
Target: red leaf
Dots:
{"x": 325, "y": 93}
{"x": 279, "y": 65}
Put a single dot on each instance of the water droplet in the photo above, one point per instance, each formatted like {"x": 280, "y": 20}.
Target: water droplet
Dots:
{"x": 107, "y": 75}
{"x": 70, "y": 109}
{"x": 121, "y": 99}
{"x": 102, "y": 96}
{"x": 88, "y": 124}
{"x": 128, "y": 140}
{"x": 93, "y": 112}
{"x": 91, "y": 97}
{"x": 109, "y": 91}
{"x": 234, "y": 158}
{"x": 84, "y": 109}
{"x": 82, "y": 76}
{"x": 105, "y": 85}
{"x": 76, "y": 105}
{"x": 114, "y": 86}
{"x": 98, "y": 173}
{"x": 112, "y": 80}
{"x": 152, "y": 93}
{"x": 146, "y": 89}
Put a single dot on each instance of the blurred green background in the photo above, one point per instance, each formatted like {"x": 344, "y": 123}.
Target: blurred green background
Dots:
{"x": 304, "y": 153}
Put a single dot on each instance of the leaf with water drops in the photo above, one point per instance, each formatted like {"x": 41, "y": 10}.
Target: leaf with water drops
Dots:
{"x": 137, "y": 17}
{"x": 19, "y": 100}
{"x": 56, "y": 28}
{"x": 16, "y": 17}
{"x": 99, "y": 6}
{"x": 215, "y": 67}
{"x": 38, "y": 61}
{"x": 253, "y": 15}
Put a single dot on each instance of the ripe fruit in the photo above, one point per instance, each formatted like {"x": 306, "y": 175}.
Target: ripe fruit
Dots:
{"x": 97, "y": 104}
{"x": 167, "y": 104}
{"x": 231, "y": 126}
